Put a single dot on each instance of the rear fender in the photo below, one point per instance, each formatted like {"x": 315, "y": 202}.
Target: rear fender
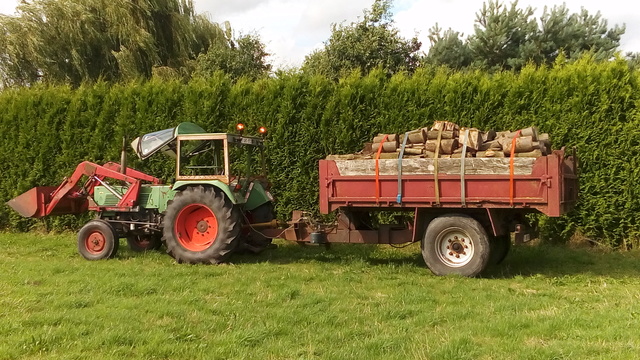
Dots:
{"x": 234, "y": 197}
{"x": 257, "y": 196}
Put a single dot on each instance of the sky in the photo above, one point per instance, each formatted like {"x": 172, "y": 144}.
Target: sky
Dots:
{"x": 292, "y": 29}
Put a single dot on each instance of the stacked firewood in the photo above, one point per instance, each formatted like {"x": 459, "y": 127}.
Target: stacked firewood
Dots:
{"x": 423, "y": 143}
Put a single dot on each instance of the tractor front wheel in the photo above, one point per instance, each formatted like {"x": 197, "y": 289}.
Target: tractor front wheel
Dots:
{"x": 201, "y": 226}
{"x": 97, "y": 240}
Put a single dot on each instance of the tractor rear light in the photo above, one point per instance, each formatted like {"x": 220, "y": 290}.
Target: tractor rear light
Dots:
{"x": 240, "y": 127}
{"x": 262, "y": 130}
{"x": 237, "y": 187}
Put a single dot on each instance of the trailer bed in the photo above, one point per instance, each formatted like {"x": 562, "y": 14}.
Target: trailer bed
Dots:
{"x": 548, "y": 184}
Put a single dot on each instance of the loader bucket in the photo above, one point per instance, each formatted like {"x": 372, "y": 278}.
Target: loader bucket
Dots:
{"x": 33, "y": 203}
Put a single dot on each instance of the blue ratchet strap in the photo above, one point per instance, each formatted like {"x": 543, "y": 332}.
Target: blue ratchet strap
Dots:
{"x": 404, "y": 144}
{"x": 463, "y": 194}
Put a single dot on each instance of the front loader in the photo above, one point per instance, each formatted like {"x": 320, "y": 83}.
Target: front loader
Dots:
{"x": 220, "y": 191}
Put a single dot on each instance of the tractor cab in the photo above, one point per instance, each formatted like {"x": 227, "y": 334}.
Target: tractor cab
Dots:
{"x": 205, "y": 156}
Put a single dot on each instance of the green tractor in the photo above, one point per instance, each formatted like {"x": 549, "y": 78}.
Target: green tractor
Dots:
{"x": 219, "y": 197}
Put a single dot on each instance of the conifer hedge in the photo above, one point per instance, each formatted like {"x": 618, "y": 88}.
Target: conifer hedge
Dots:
{"x": 47, "y": 131}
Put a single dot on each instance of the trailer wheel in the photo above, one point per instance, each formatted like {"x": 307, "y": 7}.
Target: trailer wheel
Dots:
{"x": 97, "y": 240}
{"x": 144, "y": 242}
{"x": 455, "y": 244}
{"x": 201, "y": 226}
{"x": 500, "y": 246}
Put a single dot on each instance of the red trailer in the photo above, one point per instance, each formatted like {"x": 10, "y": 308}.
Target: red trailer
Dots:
{"x": 464, "y": 210}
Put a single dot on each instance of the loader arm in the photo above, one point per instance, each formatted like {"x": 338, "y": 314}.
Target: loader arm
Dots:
{"x": 70, "y": 198}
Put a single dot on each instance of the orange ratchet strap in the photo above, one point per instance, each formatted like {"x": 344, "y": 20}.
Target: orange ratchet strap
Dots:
{"x": 378, "y": 168}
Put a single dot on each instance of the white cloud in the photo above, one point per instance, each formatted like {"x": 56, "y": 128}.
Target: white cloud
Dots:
{"x": 292, "y": 29}
{"x": 8, "y": 6}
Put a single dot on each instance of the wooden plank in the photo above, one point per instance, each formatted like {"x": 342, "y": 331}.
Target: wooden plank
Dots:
{"x": 473, "y": 166}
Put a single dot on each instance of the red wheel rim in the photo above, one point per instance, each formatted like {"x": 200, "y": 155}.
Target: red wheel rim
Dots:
{"x": 95, "y": 242}
{"x": 196, "y": 227}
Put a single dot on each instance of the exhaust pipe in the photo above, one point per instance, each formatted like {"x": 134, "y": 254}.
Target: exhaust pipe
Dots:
{"x": 123, "y": 156}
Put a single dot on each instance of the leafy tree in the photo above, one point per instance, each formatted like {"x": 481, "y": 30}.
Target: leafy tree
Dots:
{"x": 72, "y": 41}
{"x": 364, "y": 45}
{"x": 244, "y": 57}
{"x": 508, "y": 37}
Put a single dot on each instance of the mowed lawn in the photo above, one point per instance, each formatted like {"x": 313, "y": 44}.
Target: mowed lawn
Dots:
{"x": 348, "y": 302}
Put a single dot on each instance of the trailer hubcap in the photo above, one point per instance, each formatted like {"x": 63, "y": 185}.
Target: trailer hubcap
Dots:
{"x": 196, "y": 227}
{"x": 95, "y": 242}
{"x": 454, "y": 247}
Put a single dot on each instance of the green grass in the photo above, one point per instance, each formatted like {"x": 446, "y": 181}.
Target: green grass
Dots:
{"x": 350, "y": 302}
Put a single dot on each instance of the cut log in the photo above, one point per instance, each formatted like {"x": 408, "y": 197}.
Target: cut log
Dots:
{"x": 447, "y": 146}
{"x": 388, "y": 146}
{"x": 491, "y": 145}
{"x": 416, "y": 137}
{"x": 505, "y": 134}
{"x": 533, "y": 154}
{"x": 523, "y": 144}
{"x": 390, "y": 137}
{"x": 459, "y": 155}
{"x": 530, "y": 131}
{"x": 544, "y": 138}
{"x": 447, "y": 134}
{"x": 490, "y": 154}
{"x": 474, "y": 141}
{"x": 413, "y": 151}
{"x": 342, "y": 157}
{"x": 367, "y": 149}
{"x": 445, "y": 126}
{"x": 389, "y": 155}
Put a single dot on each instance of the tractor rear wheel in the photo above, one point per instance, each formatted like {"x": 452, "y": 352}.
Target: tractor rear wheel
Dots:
{"x": 201, "y": 226}
{"x": 97, "y": 240}
{"x": 144, "y": 242}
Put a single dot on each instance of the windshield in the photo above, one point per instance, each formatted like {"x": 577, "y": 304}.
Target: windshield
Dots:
{"x": 163, "y": 140}
{"x": 150, "y": 143}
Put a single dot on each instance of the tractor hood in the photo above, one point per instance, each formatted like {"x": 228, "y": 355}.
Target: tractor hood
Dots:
{"x": 163, "y": 140}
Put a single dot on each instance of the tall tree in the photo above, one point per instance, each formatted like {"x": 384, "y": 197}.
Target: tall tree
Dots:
{"x": 508, "y": 37}
{"x": 242, "y": 57}
{"x": 72, "y": 41}
{"x": 447, "y": 47}
{"x": 372, "y": 42}
{"x": 504, "y": 36}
